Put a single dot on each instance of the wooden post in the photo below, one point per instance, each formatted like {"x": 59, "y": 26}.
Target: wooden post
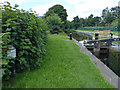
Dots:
{"x": 108, "y": 56}
{"x": 97, "y": 46}
{"x": 97, "y": 49}
{"x": 108, "y": 48}
{"x": 109, "y": 43}
{"x": 96, "y": 36}
{"x": 111, "y": 34}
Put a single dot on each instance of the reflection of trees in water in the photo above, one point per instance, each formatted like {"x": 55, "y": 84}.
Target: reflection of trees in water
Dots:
{"x": 114, "y": 61}
{"x": 81, "y": 37}
{"x": 114, "y": 56}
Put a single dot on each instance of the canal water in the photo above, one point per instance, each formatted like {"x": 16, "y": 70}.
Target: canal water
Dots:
{"x": 110, "y": 57}
{"x": 80, "y": 37}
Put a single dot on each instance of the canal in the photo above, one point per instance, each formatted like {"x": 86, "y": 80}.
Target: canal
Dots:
{"x": 110, "y": 57}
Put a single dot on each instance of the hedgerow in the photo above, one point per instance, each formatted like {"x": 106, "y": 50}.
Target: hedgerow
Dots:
{"x": 27, "y": 35}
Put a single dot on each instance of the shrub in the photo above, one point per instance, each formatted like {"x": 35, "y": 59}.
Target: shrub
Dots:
{"x": 54, "y": 21}
{"x": 28, "y": 36}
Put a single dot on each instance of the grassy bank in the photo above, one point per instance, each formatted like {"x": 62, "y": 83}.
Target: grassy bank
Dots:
{"x": 117, "y": 33}
{"x": 64, "y": 66}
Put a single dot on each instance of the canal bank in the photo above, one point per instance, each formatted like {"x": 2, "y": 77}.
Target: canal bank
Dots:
{"x": 105, "y": 52}
{"x": 63, "y": 66}
{"x": 109, "y": 75}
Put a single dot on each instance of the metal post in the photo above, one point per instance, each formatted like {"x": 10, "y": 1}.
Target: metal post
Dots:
{"x": 70, "y": 36}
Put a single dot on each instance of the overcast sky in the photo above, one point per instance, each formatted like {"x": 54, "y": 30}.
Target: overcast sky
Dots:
{"x": 82, "y": 8}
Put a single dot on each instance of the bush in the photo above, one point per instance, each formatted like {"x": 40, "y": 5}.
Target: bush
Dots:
{"x": 54, "y": 21}
{"x": 3, "y": 50}
{"x": 28, "y": 36}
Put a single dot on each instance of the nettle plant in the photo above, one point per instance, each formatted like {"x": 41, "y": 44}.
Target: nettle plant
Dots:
{"x": 27, "y": 35}
{"x": 4, "y": 45}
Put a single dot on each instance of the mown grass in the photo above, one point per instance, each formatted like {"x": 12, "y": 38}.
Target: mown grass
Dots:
{"x": 64, "y": 66}
{"x": 117, "y": 33}
{"x": 116, "y": 42}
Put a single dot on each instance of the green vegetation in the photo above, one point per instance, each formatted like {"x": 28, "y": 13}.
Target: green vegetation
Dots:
{"x": 64, "y": 66}
{"x": 85, "y": 30}
{"x": 109, "y": 18}
{"x": 117, "y": 33}
{"x": 4, "y": 60}
{"x": 99, "y": 28}
{"x": 76, "y": 22}
{"x": 59, "y": 10}
{"x": 114, "y": 61}
{"x": 116, "y": 42}
{"x": 27, "y": 35}
{"x": 107, "y": 21}
{"x": 102, "y": 37}
{"x": 53, "y": 21}
{"x": 115, "y": 22}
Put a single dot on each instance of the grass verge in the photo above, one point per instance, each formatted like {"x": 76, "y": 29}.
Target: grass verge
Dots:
{"x": 64, "y": 66}
{"x": 117, "y": 33}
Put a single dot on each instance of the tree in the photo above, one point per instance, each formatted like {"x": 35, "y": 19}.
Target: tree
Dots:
{"x": 97, "y": 21}
{"x": 82, "y": 22}
{"x": 91, "y": 20}
{"x": 27, "y": 34}
{"x": 67, "y": 24}
{"x": 115, "y": 23}
{"x": 90, "y": 17}
{"x": 76, "y": 21}
{"x": 115, "y": 11}
{"x": 59, "y": 10}
{"x": 54, "y": 21}
{"x": 107, "y": 16}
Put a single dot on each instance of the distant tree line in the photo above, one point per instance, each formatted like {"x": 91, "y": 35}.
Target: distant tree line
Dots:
{"x": 109, "y": 17}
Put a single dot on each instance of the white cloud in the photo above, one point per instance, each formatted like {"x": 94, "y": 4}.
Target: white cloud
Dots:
{"x": 42, "y": 9}
{"x": 2, "y": 1}
{"x": 20, "y": 1}
{"x": 82, "y": 8}
{"x": 72, "y": 1}
{"x": 14, "y": 1}
{"x": 94, "y": 7}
